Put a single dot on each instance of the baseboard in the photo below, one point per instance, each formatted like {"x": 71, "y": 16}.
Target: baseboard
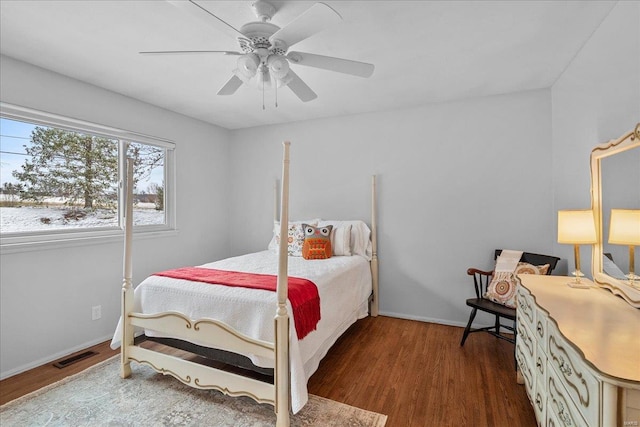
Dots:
{"x": 51, "y": 358}
{"x": 431, "y": 320}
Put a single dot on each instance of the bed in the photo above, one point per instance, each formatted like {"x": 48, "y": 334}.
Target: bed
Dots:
{"x": 240, "y": 321}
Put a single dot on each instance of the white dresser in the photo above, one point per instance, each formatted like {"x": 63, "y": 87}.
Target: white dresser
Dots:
{"x": 578, "y": 353}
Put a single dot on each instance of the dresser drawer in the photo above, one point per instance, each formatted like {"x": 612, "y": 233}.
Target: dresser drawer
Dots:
{"x": 560, "y": 404}
{"x": 526, "y": 370}
{"x": 526, "y": 338}
{"x": 526, "y": 309}
{"x": 539, "y": 402}
{"x": 580, "y": 385}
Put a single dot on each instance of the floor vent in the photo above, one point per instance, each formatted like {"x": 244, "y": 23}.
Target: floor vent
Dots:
{"x": 73, "y": 359}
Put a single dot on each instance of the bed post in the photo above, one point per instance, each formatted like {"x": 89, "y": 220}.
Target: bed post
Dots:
{"x": 282, "y": 381}
{"x": 275, "y": 201}
{"x": 374, "y": 249}
{"x": 127, "y": 290}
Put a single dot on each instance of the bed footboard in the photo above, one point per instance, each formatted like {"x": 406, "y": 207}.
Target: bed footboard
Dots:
{"x": 208, "y": 332}
{"x": 204, "y": 377}
{"x": 211, "y": 333}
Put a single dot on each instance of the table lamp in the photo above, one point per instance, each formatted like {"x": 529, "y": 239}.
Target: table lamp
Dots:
{"x": 624, "y": 229}
{"x": 576, "y": 227}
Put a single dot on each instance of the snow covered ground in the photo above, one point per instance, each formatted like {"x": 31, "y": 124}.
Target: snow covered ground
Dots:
{"x": 32, "y": 218}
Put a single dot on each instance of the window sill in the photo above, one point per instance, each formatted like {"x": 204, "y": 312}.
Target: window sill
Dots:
{"x": 10, "y": 245}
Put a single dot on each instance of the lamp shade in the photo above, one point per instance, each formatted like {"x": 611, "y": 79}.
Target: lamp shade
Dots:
{"x": 278, "y": 65}
{"x": 624, "y": 227}
{"x": 576, "y": 227}
{"x": 248, "y": 65}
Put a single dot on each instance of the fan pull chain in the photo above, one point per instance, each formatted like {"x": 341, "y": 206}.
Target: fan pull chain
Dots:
{"x": 276, "y": 85}
{"x": 263, "y": 93}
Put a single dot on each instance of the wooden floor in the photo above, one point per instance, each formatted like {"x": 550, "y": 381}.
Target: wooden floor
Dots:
{"x": 418, "y": 375}
{"x": 414, "y": 372}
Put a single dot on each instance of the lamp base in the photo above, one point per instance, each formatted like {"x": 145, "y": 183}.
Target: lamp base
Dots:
{"x": 633, "y": 280}
{"x": 577, "y": 283}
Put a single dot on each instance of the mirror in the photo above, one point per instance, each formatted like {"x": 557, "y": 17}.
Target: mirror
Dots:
{"x": 615, "y": 184}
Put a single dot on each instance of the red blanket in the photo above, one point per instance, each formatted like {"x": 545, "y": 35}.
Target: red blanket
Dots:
{"x": 303, "y": 293}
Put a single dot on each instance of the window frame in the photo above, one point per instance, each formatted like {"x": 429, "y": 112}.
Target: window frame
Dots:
{"x": 36, "y": 240}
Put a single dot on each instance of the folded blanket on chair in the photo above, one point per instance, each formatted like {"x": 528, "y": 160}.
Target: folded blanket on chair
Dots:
{"x": 303, "y": 293}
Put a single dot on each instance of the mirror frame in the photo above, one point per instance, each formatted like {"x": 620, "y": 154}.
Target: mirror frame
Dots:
{"x": 615, "y": 146}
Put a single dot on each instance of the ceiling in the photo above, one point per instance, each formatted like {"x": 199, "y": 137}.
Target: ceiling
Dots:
{"x": 423, "y": 51}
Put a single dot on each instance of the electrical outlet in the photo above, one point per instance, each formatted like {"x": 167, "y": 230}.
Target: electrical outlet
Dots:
{"x": 96, "y": 312}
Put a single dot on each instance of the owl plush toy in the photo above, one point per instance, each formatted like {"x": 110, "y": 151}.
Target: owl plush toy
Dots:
{"x": 317, "y": 242}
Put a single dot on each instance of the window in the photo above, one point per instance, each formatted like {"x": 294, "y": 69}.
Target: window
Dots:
{"x": 60, "y": 179}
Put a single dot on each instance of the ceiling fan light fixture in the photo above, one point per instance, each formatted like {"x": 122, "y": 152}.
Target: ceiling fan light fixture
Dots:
{"x": 248, "y": 65}
{"x": 278, "y": 65}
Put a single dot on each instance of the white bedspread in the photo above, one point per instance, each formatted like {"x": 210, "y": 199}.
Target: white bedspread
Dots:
{"x": 344, "y": 285}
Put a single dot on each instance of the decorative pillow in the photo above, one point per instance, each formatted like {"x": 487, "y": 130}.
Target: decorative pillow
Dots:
{"x": 360, "y": 236}
{"x": 526, "y": 268}
{"x": 317, "y": 242}
{"x": 341, "y": 240}
{"x": 502, "y": 288}
{"x": 295, "y": 236}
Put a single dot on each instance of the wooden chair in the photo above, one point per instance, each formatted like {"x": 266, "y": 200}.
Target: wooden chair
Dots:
{"x": 481, "y": 280}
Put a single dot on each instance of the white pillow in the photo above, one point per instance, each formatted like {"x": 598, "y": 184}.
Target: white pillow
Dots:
{"x": 296, "y": 236}
{"x": 360, "y": 236}
{"x": 341, "y": 240}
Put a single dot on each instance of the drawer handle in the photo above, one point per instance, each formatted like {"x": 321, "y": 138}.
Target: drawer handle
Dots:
{"x": 539, "y": 329}
{"x": 565, "y": 368}
{"x": 539, "y": 402}
{"x": 539, "y": 365}
{"x": 565, "y": 418}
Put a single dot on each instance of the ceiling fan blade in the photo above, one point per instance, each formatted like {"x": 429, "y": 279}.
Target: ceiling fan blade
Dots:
{"x": 199, "y": 12}
{"x": 230, "y": 86}
{"x": 346, "y": 66}
{"x": 300, "y": 88}
{"x": 187, "y": 52}
{"x": 316, "y": 18}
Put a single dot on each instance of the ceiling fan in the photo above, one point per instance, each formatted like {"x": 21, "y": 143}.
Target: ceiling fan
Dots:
{"x": 265, "y": 57}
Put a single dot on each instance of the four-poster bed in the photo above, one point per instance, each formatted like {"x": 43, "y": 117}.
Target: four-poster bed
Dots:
{"x": 175, "y": 308}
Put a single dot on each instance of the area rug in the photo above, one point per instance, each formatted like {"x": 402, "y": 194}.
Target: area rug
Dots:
{"x": 99, "y": 397}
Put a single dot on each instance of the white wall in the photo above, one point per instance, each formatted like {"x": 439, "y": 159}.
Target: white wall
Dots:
{"x": 456, "y": 181}
{"x": 57, "y": 288}
{"x": 596, "y": 99}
